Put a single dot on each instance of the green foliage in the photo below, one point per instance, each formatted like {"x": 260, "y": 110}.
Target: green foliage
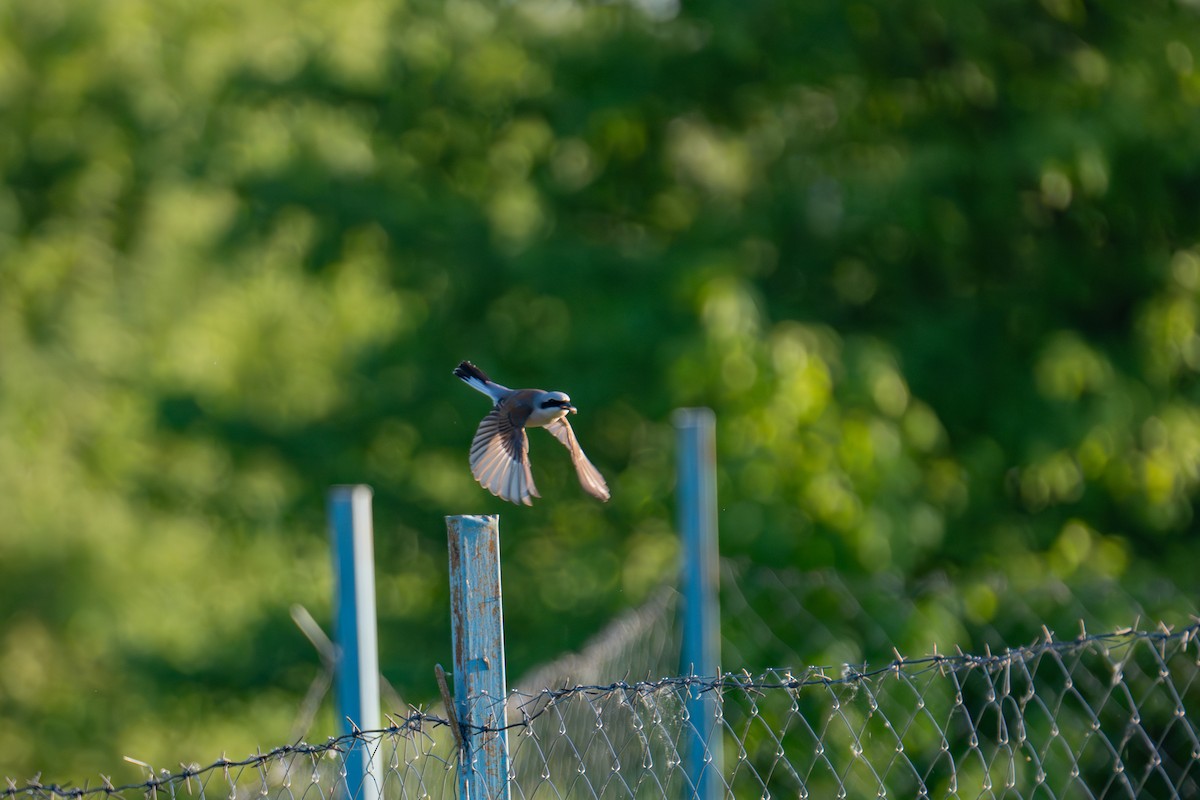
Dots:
{"x": 936, "y": 266}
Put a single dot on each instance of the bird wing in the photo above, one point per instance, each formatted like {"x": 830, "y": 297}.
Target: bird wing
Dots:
{"x": 500, "y": 455}
{"x": 589, "y": 477}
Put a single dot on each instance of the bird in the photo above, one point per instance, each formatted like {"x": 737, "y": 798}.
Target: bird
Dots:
{"x": 500, "y": 449}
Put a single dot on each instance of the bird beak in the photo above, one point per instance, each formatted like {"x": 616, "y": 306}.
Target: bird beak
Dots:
{"x": 573, "y": 409}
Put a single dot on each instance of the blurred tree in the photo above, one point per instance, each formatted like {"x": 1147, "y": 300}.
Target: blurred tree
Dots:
{"x": 935, "y": 265}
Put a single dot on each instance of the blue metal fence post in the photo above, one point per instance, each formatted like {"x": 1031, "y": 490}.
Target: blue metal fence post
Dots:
{"x": 477, "y": 626}
{"x": 357, "y": 653}
{"x": 701, "y": 651}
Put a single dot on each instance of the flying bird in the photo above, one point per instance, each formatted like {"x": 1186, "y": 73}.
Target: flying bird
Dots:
{"x": 500, "y": 450}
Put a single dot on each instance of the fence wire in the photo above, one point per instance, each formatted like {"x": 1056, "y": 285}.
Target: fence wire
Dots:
{"x": 1107, "y": 716}
{"x": 641, "y": 643}
{"x": 781, "y": 615}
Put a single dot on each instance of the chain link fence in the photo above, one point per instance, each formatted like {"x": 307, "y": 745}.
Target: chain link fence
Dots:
{"x": 1101, "y": 716}
{"x": 782, "y": 615}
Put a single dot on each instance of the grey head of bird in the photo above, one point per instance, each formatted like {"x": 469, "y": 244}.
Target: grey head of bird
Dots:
{"x": 548, "y": 407}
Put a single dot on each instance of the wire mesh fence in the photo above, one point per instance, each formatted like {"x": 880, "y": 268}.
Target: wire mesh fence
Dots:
{"x": 1102, "y": 716}
{"x": 784, "y": 615}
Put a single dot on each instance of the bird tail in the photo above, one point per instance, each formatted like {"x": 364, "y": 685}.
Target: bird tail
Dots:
{"x": 466, "y": 370}
{"x": 477, "y": 379}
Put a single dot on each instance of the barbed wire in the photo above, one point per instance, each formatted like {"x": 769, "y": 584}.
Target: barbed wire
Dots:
{"x": 1109, "y": 712}
{"x": 816, "y": 675}
{"x": 1105, "y": 715}
{"x": 415, "y": 723}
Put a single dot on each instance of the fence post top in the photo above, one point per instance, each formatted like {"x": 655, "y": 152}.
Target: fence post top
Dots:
{"x": 692, "y": 417}
{"x": 351, "y": 489}
{"x": 474, "y": 519}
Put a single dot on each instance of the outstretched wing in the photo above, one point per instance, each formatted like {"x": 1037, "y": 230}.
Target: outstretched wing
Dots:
{"x": 589, "y": 477}
{"x": 500, "y": 456}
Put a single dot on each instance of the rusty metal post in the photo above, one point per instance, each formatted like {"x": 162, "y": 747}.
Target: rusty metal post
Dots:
{"x": 477, "y": 626}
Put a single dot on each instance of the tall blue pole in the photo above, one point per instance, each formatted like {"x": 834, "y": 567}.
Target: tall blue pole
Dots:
{"x": 701, "y": 651}
{"x": 357, "y": 665}
{"x": 477, "y": 628}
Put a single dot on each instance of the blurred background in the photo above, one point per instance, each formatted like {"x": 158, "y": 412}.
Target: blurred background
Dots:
{"x": 936, "y": 267}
